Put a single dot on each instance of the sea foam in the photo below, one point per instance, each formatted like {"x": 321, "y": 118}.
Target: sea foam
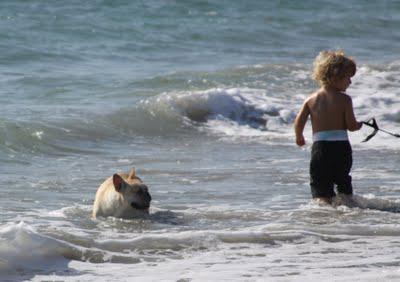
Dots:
{"x": 23, "y": 250}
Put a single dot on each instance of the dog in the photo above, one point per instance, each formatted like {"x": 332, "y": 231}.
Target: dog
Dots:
{"x": 123, "y": 196}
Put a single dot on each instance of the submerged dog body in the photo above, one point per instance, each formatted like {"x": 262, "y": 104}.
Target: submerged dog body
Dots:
{"x": 122, "y": 195}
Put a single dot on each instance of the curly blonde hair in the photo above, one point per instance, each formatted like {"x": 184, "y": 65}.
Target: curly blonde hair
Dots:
{"x": 332, "y": 65}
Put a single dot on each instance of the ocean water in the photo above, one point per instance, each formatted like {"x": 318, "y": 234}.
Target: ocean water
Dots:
{"x": 200, "y": 98}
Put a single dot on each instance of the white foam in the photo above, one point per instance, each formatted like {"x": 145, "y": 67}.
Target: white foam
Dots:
{"x": 22, "y": 249}
{"x": 256, "y": 262}
{"x": 372, "y": 202}
{"x": 231, "y": 112}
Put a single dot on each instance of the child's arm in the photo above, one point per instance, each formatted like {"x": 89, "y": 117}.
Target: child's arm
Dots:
{"x": 300, "y": 122}
{"x": 351, "y": 122}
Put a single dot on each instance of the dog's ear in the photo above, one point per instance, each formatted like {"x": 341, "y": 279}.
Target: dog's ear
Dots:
{"x": 132, "y": 174}
{"x": 118, "y": 182}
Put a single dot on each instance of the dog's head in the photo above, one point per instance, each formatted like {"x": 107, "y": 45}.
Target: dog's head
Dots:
{"x": 134, "y": 192}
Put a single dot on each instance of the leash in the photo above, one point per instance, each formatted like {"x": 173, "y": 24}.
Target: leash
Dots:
{"x": 372, "y": 123}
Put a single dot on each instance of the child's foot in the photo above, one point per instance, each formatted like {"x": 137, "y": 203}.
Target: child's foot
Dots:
{"x": 345, "y": 200}
{"x": 323, "y": 201}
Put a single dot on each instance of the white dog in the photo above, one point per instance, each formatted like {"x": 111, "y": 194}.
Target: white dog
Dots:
{"x": 123, "y": 196}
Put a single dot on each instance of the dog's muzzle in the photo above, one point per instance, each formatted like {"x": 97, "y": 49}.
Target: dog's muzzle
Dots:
{"x": 139, "y": 207}
{"x": 146, "y": 199}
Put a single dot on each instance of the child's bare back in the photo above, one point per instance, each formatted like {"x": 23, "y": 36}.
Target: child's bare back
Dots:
{"x": 331, "y": 110}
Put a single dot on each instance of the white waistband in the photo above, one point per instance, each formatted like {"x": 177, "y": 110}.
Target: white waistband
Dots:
{"x": 331, "y": 135}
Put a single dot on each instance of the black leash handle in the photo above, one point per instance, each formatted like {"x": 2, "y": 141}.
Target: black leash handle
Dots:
{"x": 372, "y": 123}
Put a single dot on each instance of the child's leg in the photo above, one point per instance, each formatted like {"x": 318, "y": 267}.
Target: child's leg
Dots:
{"x": 321, "y": 178}
{"x": 342, "y": 169}
{"x": 345, "y": 199}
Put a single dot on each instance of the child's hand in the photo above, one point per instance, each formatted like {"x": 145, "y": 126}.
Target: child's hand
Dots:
{"x": 300, "y": 140}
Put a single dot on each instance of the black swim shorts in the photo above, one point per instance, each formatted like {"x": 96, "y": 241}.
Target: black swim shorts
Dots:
{"x": 330, "y": 164}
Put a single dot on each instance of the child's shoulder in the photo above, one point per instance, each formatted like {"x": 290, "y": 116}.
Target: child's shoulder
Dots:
{"x": 346, "y": 98}
{"x": 314, "y": 96}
